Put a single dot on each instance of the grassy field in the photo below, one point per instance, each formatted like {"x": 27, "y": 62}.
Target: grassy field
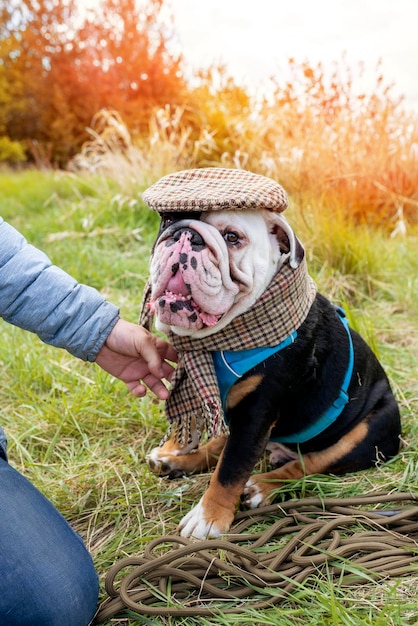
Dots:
{"x": 82, "y": 439}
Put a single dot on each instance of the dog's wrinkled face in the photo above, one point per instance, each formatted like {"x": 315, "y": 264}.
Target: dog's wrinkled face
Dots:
{"x": 207, "y": 268}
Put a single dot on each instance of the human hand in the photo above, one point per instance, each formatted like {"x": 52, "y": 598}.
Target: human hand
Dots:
{"x": 138, "y": 358}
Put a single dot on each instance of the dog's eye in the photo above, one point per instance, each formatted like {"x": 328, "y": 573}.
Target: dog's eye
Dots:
{"x": 231, "y": 237}
{"x": 166, "y": 221}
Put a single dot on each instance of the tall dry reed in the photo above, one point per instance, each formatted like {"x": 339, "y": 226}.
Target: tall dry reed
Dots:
{"x": 324, "y": 140}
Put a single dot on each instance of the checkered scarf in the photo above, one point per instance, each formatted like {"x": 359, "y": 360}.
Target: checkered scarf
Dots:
{"x": 194, "y": 398}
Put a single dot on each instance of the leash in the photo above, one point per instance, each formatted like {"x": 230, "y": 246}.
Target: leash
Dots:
{"x": 313, "y": 536}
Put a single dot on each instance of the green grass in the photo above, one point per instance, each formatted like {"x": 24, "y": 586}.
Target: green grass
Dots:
{"x": 82, "y": 439}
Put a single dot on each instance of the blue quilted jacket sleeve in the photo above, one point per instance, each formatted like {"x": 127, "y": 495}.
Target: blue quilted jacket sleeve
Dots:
{"x": 40, "y": 297}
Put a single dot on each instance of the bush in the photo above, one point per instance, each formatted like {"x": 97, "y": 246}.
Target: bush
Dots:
{"x": 11, "y": 152}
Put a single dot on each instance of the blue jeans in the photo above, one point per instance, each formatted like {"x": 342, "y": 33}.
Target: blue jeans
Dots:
{"x": 47, "y": 577}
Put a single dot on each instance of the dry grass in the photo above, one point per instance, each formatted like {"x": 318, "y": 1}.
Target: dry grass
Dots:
{"x": 326, "y": 142}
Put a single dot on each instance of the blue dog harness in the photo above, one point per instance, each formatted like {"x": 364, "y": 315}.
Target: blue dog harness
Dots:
{"x": 231, "y": 365}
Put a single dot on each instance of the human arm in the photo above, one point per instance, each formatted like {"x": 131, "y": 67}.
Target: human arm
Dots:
{"x": 40, "y": 297}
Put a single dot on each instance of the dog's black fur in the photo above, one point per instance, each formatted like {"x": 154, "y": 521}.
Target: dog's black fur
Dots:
{"x": 299, "y": 383}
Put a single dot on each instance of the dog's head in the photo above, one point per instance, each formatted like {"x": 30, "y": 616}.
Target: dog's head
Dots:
{"x": 208, "y": 267}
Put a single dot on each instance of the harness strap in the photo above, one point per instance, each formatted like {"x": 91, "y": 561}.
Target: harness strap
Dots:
{"x": 231, "y": 365}
{"x": 334, "y": 411}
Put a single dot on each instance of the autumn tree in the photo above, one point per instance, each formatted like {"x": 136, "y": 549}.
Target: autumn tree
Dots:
{"x": 138, "y": 71}
{"x": 59, "y": 67}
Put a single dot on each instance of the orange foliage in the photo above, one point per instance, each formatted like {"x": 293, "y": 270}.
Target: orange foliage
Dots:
{"x": 316, "y": 132}
{"x": 61, "y": 68}
{"x": 322, "y": 138}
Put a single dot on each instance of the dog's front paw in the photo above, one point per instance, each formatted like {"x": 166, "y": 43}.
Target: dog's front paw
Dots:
{"x": 164, "y": 464}
{"x": 200, "y": 524}
{"x": 258, "y": 491}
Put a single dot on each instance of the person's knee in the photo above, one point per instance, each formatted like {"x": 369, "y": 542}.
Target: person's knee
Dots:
{"x": 70, "y": 602}
{"x": 47, "y": 574}
{"x": 60, "y": 598}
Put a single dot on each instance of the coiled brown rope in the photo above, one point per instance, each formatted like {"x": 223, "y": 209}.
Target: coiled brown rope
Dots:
{"x": 182, "y": 577}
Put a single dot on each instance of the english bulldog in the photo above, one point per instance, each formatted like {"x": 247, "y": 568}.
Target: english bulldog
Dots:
{"x": 320, "y": 401}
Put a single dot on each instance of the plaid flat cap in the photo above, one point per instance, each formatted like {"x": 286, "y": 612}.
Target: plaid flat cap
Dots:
{"x": 214, "y": 189}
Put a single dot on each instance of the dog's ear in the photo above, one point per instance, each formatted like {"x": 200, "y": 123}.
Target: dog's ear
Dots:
{"x": 288, "y": 242}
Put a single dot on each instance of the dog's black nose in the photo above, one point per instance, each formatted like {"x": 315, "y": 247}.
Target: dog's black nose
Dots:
{"x": 196, "y": 240}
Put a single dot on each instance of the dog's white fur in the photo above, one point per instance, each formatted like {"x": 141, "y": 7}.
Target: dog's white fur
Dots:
{"x": 238, "y": 273}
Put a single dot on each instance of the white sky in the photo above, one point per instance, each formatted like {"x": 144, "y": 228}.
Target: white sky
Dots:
{"x": 254, "y": 38}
